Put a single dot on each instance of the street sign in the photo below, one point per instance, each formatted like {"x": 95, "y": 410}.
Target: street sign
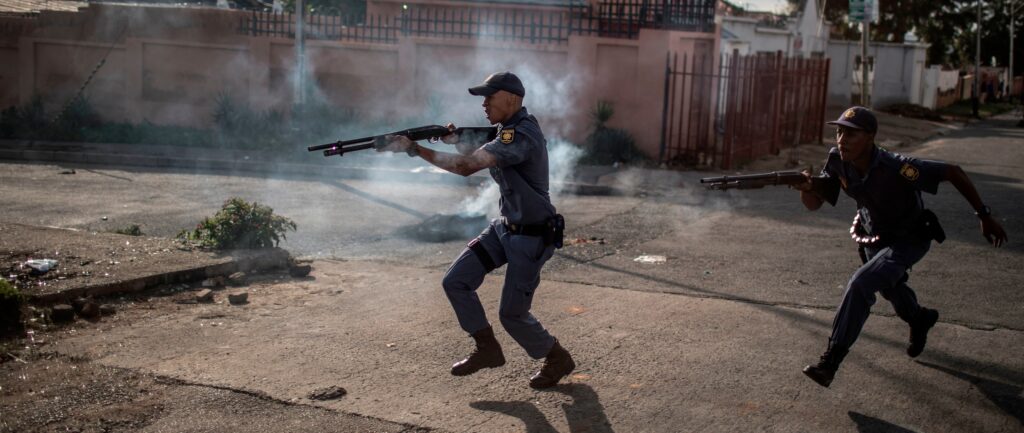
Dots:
{"x": 863, "y": 10}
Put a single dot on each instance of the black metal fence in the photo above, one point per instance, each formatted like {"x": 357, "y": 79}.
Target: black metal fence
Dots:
{"x": 686, "y": 15}
{"x": 375, "y": 29}
{"x": 612, "y": 18}
{"x": 494, "y": 24}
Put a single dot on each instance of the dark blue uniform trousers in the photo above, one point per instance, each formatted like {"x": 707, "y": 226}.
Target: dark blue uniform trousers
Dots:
{"x": 885, "y": 272}
{"x": 525, "y": 256}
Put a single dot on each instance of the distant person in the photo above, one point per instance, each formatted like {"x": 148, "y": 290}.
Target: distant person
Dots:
{"x": 524, "y": 237}
{"x": 892, "y": 226}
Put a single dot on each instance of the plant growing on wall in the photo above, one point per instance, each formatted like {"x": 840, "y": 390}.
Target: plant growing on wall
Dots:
{"x": 605, "y": 145}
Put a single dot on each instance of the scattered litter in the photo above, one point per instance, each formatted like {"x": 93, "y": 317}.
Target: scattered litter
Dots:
{"x": 104, "y": 218}
{"x": 707, "y": 272}
{"x": 217, "y": 281}
{"x": 575, "y": 309}
{"x": 299, "y": 271}
{"x": 41, "y": 266}
{"x": 237, "y": 279}
{"x": 62, "y": 313}
{"x": 205, "y": 295}
{"x": 590, "y": 240}
{"x": 650, "y": 259}
{"x": 69, "y": 171}
{"x": 580, "y": 376}
{"x": 391, "y": 345}
{"x": 329, "y": 393}
{"x": 238, "y": 298}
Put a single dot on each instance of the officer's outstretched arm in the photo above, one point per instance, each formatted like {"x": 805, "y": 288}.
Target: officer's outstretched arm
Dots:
{"x": 990, "y": 228}
{"x": 463, "y": 165}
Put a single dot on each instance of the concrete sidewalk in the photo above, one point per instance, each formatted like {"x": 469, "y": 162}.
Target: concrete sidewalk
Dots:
{"x": 648, "y": 362}
{"x": 92, "y": 264}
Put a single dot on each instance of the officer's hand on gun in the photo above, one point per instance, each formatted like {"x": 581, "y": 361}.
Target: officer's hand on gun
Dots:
{"x": 805, "y": 186}
{"x": 450, "y": 138}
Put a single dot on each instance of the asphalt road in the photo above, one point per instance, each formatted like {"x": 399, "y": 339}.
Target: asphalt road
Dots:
{"x": 711, "y": 339}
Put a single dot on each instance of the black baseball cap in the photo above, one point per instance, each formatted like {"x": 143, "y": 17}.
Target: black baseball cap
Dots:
{"x": 506, "y": 81}
{"x": 857, "y": 118}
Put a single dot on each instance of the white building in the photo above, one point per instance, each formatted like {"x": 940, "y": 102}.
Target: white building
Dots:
{"x": 801, "y": 34}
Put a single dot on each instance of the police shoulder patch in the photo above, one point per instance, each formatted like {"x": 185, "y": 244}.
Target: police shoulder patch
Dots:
{"x": 507, "y": 135}
{"x": 909, "y": 171}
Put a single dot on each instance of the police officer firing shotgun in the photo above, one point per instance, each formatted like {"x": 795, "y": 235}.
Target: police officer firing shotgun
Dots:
{"x": 524, "y": 237}
{"x": 892, "y": 226}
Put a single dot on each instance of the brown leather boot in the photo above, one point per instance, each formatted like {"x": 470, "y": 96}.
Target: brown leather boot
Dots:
{"x": 557, "y": 365}
{"x": 825, "y": 370}
{"x": 486, "y": 355}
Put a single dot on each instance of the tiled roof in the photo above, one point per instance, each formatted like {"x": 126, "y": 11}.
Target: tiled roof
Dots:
{"x": 28, "y": 6}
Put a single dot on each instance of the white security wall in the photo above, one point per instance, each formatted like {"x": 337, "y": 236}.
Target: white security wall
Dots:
{"x": 897, "y": 76}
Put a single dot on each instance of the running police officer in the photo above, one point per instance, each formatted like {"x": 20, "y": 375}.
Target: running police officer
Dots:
{"x": 524, "y": 237}
{"x": 892, "y": 226}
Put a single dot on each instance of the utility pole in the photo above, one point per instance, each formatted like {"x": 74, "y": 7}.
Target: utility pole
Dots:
{"x": 865, "y": 97}
{"x": 300, "y": 53}
{"x": 977, "y": 66}
{"x": 1013, "y": 15}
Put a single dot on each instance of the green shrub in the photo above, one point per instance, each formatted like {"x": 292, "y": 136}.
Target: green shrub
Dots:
{"x": 11, "y": 300}
{"x": 239, "y": 224}
{"x": 73, "y": 120}
{"x": 31, "y": 119}
{"x": 319, "y": 120}
{"x": 606, "y": 146}
{"x": 235, "y": 124}
{"x": 238, "y": 125}
{"x": 9, "y": 122}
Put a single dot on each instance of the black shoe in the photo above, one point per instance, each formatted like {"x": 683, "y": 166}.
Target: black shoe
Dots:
{"x": 557, "y": 365}
{"x": 825, "y": 370}
{"x": 924, "y": 322}
{"x": 487, "y": 354}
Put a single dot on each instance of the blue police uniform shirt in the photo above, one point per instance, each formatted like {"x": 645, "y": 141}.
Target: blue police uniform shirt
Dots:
{"x": 889, "y": 195}
{"x": 522, "y": 170}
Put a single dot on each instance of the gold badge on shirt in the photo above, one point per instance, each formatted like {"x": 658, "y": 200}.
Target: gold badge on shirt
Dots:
{"x": 909, "y": 171}
{"x": 507, "y": 135}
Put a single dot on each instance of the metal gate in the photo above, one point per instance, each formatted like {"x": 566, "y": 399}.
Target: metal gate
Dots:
{"x": 724, "y": 113}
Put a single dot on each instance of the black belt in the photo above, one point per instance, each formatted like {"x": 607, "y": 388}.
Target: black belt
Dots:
{"x": 527, "y": 229}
